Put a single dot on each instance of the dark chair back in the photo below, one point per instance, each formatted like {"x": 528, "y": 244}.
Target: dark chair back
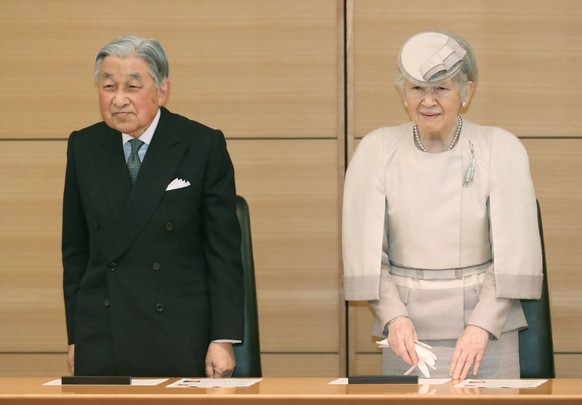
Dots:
{"x": 248, "y": 353}
{"x": 536, "y": 348}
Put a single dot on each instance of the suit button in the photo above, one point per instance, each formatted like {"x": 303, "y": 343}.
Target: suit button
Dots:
{"x": 169, "y": 226}
{"x": 160, "y": 307}
{"x": 106, "y": 303}
{"x": 94, "y": 226}
{"x": 156, "y": 266}
{"x": 112, "y": 266}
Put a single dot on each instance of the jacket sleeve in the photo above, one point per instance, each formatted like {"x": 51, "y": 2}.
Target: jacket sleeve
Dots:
{"x": 75, "y": 240}
{"x": 491, "y": 312}
{"x": 388, "y": 306}
{"x": 363, "y": 211}
{"x": 515, "y": 237}
{"x": 222, "y": 244}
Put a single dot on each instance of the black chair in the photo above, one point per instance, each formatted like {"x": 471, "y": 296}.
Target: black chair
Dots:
{"x": 248, "y": 353}
{"x": 536, "y": 348}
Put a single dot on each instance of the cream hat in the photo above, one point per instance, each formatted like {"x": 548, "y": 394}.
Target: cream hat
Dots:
{"x": 430, "y": 57}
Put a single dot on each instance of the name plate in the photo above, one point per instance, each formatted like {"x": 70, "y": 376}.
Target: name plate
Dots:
{"x": 383, "y": 379}
{"x": 95, "y": 380}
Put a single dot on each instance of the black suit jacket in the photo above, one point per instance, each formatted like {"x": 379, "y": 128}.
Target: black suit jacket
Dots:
{"x": 150, "y": 276}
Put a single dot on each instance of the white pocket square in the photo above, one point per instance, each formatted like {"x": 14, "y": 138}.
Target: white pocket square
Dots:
{"x": 177, "y": 183}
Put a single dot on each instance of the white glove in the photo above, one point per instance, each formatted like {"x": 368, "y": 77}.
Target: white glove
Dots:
{"x": 425, "y": 357}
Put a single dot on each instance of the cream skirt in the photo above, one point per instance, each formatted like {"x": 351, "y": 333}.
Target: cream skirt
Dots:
{"x": 501, "y": 359}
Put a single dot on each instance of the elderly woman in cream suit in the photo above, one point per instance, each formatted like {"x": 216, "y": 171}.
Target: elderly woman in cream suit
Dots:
{"x": 440, "y": 231}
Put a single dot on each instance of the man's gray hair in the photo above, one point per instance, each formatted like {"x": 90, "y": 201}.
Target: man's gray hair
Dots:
{"x": 150, "y": 50}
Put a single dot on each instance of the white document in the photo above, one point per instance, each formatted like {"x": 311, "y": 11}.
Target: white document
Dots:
{"x": 469, "y": 383}
{"x": 214, "y": 382}
{"x": 433, "y": 381}
{"x": 53, "y": 382}
{"x": 339, "y": 381}
{"x": 148, "y": 381}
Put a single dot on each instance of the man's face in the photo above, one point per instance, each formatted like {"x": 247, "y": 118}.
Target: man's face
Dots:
{"x": 128, "y": 97}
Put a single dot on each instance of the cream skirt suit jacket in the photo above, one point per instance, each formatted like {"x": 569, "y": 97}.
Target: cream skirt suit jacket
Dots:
{"x": 410, "y": 216}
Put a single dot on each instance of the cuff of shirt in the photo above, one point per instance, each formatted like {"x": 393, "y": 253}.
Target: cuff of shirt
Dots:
{"x": 226, "y": 341}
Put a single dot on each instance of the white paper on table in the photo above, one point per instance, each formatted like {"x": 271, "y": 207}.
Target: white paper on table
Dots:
{"x": 214, "y": 383}
{"x": 134, "y": 381}
{"x": 470, "y": 383}
{"x": 433, "y": 381}
{"x": 148, "y": 381}
{"x": 53, "y": 382}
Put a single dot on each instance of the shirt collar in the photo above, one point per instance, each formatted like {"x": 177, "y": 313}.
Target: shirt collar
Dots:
{"x": 146, "y": 137}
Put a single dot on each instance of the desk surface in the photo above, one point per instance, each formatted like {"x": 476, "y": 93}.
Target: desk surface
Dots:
{"x": 29, "y": 390}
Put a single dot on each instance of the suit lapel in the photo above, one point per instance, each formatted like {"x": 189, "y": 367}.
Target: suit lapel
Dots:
{"x": 158, "y": 169}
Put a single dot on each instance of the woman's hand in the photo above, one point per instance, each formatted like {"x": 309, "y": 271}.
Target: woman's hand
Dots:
{"x": 468, "y": 352}
{"x": 401, "y": 338}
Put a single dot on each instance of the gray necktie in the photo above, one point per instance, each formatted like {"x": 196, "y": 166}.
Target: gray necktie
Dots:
{"x": 133, "y": 162}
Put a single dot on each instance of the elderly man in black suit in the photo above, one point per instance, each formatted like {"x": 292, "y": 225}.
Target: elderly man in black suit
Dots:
{"x": 151, "y": 243}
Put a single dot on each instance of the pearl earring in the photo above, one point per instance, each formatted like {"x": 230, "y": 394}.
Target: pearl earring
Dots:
{"x": 464, "y": 104}
{"x": 405, "y": 104}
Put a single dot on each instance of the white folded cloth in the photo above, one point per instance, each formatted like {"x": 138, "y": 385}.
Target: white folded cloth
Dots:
{"x": 425, "y": 357}
{"x": 177, "y": 183}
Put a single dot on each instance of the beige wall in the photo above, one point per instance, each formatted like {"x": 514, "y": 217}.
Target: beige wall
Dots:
{"x": 270, "y": 75}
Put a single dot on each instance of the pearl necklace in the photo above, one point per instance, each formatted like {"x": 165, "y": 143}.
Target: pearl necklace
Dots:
{"x": 454, "y": 141}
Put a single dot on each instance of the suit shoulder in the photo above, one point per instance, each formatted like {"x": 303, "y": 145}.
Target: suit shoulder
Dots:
{"x": 390, "y": 135}
{"x": 499, "y": 137}
{"x": 189, "y": 127}
{"x": 92, "y": 130}
{"x": 89, "y": 135}
{"x": 387, "y": 140}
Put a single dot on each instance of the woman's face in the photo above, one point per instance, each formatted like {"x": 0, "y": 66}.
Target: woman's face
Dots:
{"x": 434, "y": 108}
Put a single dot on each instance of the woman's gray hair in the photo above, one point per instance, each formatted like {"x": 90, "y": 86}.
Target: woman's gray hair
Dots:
{"x": 149, "y": 50}
{"x": 467, "y": 73}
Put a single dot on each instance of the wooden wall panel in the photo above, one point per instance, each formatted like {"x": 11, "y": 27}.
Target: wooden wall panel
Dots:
{"x": 528, "y": 53}
{"x": 300, "y": 365}
{"x": 34, "y": 365}
{"x": 369, "y": 363}
{"x": 31, "y": 187}
{"x": 254, "y": 68}
{"x": 292, "y": 191}
{"x": 568, "y": 365}
{"x": 557, "y": 171}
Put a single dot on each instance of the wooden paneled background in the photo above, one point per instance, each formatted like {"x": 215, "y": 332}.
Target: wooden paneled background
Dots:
{"x": 293, "y": 84}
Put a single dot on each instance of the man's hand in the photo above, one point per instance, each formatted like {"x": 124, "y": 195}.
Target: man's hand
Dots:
{"x": 468, "y": 352}
{"x": 220, "y": 361}
{"x": 71, "y": 359}
{"x": 401, "y": 338}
